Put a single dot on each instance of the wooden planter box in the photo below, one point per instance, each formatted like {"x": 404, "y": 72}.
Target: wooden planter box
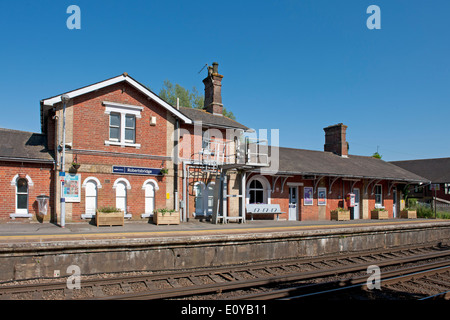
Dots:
{"x": 109, "y": 219}
{"x": 375, "y": 214}
{"x": 340, "y": 215}
{"x": 166, "y": 218}
{"x": 408, "y": 214}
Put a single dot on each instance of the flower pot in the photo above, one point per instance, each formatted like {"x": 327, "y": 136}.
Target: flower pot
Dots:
{"x": 408, "y": 214}
{"x": 109, "y": 218}
{"x": 166, "y": 218}
{"x": 379, "y": 214}
{"x": 340, "y": 215}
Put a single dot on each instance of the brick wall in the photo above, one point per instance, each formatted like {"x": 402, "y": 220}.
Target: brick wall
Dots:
{"x": 41, "y": 177}
{"x": 87, "y": 128}
{"x": 334, "y": 199}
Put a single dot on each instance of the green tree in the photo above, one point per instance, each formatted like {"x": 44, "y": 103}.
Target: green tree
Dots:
{"x": 189, "y": 99}
{"x": 377, "y": 155}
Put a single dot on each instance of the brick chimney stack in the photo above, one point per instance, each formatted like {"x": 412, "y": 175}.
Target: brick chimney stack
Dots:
{"x": 335, "y": 139}
{"x": 213, "y": 90}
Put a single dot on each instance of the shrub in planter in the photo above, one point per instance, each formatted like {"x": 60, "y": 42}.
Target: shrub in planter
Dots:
{"x": 340, "y": 214}
{"x": 166, "y": 216}
{"x": 379, "y": 213}
{"x": 109, "y": 216}
{"x": 408, "y": 213}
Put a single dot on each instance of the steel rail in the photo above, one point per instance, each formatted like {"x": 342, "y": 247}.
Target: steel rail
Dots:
{"x": 6, "y": 291}
{"x": 389, "y": 277}
{"x": 272, "y": 280}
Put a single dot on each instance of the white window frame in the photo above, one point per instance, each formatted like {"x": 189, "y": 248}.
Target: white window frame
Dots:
{"x": 99, "y": 186}
{"x": 113, "y": 126}
{"x": 155, "y": 188}
{"x": 123, "y": 110}
{"x": 21, "y": 213}
{"x": 379, "y": 205}
{"x": 266, "y": 189}
{"x": 127, "y": 187}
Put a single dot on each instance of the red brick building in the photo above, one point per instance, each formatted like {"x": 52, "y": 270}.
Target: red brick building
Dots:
{"x": 127, "y": 148}
{"x": 26, "y": 172}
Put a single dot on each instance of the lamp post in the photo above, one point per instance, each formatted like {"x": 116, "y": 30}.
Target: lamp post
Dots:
{"x": 64, "y": 98}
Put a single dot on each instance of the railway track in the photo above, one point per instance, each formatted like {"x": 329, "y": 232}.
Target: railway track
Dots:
{"x": 177, "y": 284}
{"x": 428, "y": 281}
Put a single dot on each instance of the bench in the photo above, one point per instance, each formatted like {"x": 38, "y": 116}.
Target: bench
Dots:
{"x": 261, "y": 208}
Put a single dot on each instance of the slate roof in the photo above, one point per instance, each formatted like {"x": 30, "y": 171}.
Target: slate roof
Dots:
{"x": 436, "y": 170}
{"x": 21, "y": 145}
{"x": 310, "y": 162}
{"x": 211, "y": 119}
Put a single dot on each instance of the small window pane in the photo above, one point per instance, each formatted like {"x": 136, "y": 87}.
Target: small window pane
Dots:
{"x": 129, "y": 135}
{"x": 114, "y": 119}
{"x": 255, "y": 184}
{"x": 22, "y": 186}
{"x": 114, "y": 133}
{"x": 129, "y": 121}
{"x": 22, "y": 201}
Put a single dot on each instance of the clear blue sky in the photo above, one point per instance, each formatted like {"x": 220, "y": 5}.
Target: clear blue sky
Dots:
{"x": 297, "y": 66}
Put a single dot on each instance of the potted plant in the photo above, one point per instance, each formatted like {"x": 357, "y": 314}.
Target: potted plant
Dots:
{"x": 109, "y": 216}
{"x": 76, "y": 165}
{"x": 379, "y": 213}
{"x": 340, "y": 214}
{"x": 166, "y": 216}
{"x": 408, "y": 213}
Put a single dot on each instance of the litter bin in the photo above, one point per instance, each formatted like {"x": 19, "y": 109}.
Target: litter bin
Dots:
{"x": 43, "y": 204}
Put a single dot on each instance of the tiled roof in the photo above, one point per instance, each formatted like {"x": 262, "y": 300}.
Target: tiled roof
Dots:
{"x": 211, "y": 119}
{"x": 436, "y": 170}
{"x": 21, "y": 145}
{"x": 310, "y": 162}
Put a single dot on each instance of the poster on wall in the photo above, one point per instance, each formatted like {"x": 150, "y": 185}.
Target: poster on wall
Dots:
{"x": 72, "y": 187}
{"x": 307, "y": 196}
{"x": 322, "y": 196}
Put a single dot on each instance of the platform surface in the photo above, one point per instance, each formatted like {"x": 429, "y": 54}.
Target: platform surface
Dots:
{"x": 46, "y": 232}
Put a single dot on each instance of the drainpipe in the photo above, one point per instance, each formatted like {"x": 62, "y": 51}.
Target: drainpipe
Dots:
{"x": 176, "y": 159}
{"x": 184, "y": 193}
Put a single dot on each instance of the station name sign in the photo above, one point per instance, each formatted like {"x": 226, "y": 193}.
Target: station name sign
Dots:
{"x": 136, "y": 171}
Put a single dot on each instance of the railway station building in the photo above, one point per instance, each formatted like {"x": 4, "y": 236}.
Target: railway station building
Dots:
{"x": 125, "y": 147}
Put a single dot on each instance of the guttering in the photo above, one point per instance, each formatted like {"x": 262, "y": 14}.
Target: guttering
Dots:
{"x": 31, "y": 160}
{"x": 347, "y": 176}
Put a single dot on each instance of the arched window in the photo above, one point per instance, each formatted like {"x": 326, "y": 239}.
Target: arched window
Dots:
{"x": 91, "y": 196}
{"x": 256, "y": 192}
{"x": 121, "y": 196}
{"x": 149, "y": 198}
{"x": 22, "y": 196}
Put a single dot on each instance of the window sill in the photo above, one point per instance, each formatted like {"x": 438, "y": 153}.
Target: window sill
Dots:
{"x": 20, "y": 215}
{"x": 122, "y": 144}
{"x": 88, "y": 215}
{"x": 92, "y": 215}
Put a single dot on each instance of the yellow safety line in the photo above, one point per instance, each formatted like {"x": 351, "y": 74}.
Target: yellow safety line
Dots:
{"x": 147, "y": 233}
